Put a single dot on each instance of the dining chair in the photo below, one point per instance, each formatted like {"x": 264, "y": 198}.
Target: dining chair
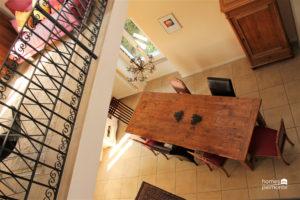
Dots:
{"x": 183, "y": 154}
{"x": 220, "y": 86}
{"x": 211, "y": 160}
{"x": 179, "y": 86}
{"x": 176, "y": 151}
{"x": 154, "y": 146}
{"x": 8, "y": 145}
{"x": 267, "y": 142}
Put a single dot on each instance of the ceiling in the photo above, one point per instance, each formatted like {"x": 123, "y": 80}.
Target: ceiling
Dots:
{"x": 206, "y": 39}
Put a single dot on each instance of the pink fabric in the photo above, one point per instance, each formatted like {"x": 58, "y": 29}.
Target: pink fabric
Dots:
{"x": 14, "y": 24}
{"x": 18, "y": 5}
{"x": 55, "y": 4}
{"x": 38, "y": 43}
{"x": 80, "y": 7}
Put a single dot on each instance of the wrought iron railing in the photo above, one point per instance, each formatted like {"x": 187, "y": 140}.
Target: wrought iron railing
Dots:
{"x": 120, "y": 110}
{"x": 44, "y": 77}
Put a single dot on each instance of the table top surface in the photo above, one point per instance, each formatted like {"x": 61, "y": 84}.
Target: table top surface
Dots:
{"x": 226, "y": 127}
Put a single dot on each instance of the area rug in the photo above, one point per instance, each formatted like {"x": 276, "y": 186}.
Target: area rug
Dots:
{"x": 151, "y": 192}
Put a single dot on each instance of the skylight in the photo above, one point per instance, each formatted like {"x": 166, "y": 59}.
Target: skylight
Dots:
{"x": 134, "y": 42}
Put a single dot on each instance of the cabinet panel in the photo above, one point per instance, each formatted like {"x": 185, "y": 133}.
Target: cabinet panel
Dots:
{"x": 259, "y": 29}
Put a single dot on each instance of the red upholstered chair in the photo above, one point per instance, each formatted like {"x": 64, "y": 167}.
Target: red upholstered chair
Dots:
{"x": 211, "y": 160}
{"x": 179, "y": 86}
{"x": 155, "y": 147}
{"x": 268, "y": 142}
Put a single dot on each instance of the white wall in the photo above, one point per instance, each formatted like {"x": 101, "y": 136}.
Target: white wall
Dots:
{"x": 296, "y": 11}
{"x": 85, "y": 169}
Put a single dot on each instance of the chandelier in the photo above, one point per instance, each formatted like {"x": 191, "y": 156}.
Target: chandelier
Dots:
{"x": 140, "y": 69}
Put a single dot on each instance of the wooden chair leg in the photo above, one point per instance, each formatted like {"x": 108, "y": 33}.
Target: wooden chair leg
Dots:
{"x": 165, "y": 156}
{"x": 225, "y": 171}
{"x": 154, "y": 152}
{"x": 195, "y": 163}
{"x": 209, "y": 167}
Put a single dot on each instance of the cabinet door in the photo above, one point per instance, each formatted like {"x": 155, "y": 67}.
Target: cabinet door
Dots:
{"x": 259, "y": 28}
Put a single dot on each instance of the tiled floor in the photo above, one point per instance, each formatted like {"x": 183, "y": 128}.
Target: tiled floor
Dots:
{"x": 278, "y": 85}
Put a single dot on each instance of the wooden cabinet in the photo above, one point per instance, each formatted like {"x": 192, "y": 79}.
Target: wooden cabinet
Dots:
{"x": 259, "y": 28}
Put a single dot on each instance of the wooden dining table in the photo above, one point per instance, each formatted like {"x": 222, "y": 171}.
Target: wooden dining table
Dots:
{"x": 225, "y": 129}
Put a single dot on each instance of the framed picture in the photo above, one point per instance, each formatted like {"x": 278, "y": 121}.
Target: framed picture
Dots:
{"x": 169, "y": 23}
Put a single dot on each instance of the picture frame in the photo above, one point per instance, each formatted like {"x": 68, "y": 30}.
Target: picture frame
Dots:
{"x": 170, "y": 23}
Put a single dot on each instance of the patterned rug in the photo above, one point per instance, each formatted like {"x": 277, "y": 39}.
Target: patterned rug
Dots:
{"x": 150, "y": 192}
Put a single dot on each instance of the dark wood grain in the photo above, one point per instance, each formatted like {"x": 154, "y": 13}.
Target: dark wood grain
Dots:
{"x": 226, "y": 126}
{"x": 7, "y": 37}
{"x": 259, "y": 28}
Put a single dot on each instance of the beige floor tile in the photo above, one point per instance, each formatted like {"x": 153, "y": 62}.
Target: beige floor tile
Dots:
{"x": 293, "y": 191}
{"x": 151, "y": 179}
{"x": 100, "y": 190}
{"x": 273, "y": 97}
{"x": 241, "y": 67}
{"x": 166, "y": 181}
{"x": 292, "y": 89}
{"x": 102, "y": 174}
{"x": 263, "y": 169}
{"x": 237, "y": 179}
{"x": 186, "y": 182}
{"x": 216, "y": 195}
{"x": 133, "y": 151}
{"x": 113, "y": 190}
{"x": 165, "y": 80}
{"x": 235, "y": 194}
{"x": 148, "y": 165}
{"x": 268, "y": 76}
{"x": 184, "y": 165}
{"x": 200, "y": 85}
{"x": 166, "y": 89}
{"x": 295, "y": 108}
{"x": 224, "y": 71}
{"x": 208, "y": 180}
{"x": 293, "y": 134}
{"x": 164, "y": 165}
{"x": 258, "y": 193}
{"x": 273, "y": 117}
{"x": 245, "y": 84}
{"x": 129, "y": 188}
{"x": 192, "y": 83}
{"x": 291, "y": 172}
{"x": 189, "y": 196}
{"x": 250, "y": 95}
{"x": 204, "y": 91}
{"x": 116, "y": 171}
{"x": 290, "y": 69}
{"x": 146, "y": 152}
{"x": 132, "y": 167}
{"x": 153, "y": 85}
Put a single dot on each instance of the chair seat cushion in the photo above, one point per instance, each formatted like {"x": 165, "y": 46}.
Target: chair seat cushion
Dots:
{"x": 215, "y": 159}
{"x": 263, "y": 142}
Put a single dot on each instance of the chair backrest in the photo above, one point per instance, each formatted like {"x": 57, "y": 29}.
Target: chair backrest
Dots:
{"x": 154, "y": 145}
{"x": 6, "y": 147}
{"x": 199, "y": 155}
{"x": 179, "y": 86}
{"x": 281, "y": 137}
{"x": 220, "y": 86}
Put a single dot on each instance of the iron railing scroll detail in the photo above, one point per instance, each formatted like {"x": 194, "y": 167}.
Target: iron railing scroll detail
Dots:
{"x": 40, "y": 93}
